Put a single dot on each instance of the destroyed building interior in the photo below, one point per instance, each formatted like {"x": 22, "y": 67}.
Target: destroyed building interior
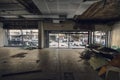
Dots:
{"x": 59, "y": 39}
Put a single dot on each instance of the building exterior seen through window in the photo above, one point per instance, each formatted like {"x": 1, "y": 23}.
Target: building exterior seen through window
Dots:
{"x": 100, "y": 37}
{"x": 68, "y": 40}
{"x": 23, "y": 38}
{"x": 29, "y": 37}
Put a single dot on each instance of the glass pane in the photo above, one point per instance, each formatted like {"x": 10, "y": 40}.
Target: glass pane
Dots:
{"x": 63, "y": 41}
{"x": 30, "y": 38}
{"x": 53, "y": 40}
{"x": 68, "y": 40}
{"x": 15, "y": 38}
{"x": 78, "y": 40}
{"x": 99, "y": 37}
{"x": 23, "y": 38}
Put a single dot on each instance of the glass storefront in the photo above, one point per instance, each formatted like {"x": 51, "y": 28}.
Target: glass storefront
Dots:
{"x": 99, "y": 37}
{"x": 68, "y": 40}
{"x": 23, "y": 38}
{"x": 57, "y": 39}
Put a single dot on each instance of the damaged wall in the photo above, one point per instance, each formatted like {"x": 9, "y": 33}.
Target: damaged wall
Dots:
{"x": 116, "y": 35}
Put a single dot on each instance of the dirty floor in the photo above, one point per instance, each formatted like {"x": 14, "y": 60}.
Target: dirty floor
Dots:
{"x": 44, "y": 64}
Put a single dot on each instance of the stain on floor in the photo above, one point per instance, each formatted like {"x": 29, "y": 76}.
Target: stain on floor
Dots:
{"x": 19, "y": 55}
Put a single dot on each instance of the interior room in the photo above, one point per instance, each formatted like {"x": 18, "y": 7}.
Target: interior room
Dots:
{"x": 59, "y": 40}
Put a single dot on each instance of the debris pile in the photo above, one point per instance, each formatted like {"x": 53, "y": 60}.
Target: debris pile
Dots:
{"x": 102, "y": 59}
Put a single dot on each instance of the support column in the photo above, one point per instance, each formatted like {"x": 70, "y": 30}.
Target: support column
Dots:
{"x": 40, "y": 35}
{"x": 108, "y": 39}
{"x": 93, "y": 37}
{"x": 89, "y": 37}
{"x": 3, "y": 36}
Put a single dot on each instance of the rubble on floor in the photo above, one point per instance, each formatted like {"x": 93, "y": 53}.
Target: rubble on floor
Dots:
{"x": 103, "y": 59}
{"x": 97, "y": 62}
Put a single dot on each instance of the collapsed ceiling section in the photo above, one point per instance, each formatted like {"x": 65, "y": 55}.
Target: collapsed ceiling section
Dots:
{"x": 103, "y": 11}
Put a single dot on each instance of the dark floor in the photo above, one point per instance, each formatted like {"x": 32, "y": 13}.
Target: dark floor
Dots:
{"x": 45, "y": 64}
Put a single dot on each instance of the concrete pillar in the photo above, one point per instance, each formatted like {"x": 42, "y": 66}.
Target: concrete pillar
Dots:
{"x": 3, "y": 36}
{"x": 90, "y": 37}
{"x": 109, "y": 39}
{"x": 40, "y": 35}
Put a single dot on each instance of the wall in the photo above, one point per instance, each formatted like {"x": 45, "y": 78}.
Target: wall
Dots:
{"x": 69, "y": 26}
{"x": 116, "y": 35}
{"x": 61, "y": 26}
{"x": 5, "y": 37}
{"x": 40, "y": 35}
{"x": 1, "y": 35}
